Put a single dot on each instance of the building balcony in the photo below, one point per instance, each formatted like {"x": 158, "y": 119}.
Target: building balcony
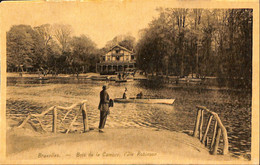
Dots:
{"x": 117, "y": 54}
{"x": 117, "y": 62}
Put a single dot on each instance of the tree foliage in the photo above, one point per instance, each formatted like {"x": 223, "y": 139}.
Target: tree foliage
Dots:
{"x": 20, "y": 44}
{"x": 215, "y": 42}
{"x": 49, "y": 48}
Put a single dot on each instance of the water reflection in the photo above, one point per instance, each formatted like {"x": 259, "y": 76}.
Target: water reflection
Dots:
{"x": 233, "y": 107}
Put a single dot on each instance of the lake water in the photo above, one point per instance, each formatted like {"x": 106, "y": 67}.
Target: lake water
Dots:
{"x": 234, "y": 107}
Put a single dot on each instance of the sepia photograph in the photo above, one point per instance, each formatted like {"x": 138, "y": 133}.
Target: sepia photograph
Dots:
{"x": 123, "y": 82}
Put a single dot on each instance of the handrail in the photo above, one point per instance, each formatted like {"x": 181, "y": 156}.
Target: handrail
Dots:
{"x": 72, "y": 106}
{"x": 54, "y": 109}
{"x": 218, "y": 129}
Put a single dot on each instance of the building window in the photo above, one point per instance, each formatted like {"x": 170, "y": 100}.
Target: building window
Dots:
{"x": 127, "y": 58}
{"x": 117, "y": 50}
{"x": 108, "y": 58}
{"x": 104, "y": 58}
{"x": 117, "y": 58}
{"x": 132, "y": 57}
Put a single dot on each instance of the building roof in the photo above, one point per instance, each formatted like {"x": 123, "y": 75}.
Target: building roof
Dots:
{"x": 121, "y": 48}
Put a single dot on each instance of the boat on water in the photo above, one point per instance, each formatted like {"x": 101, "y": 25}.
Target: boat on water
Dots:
{"x": 99, "y": 78}
{"x": 195, "y": 80}
{"x": 145, "y": 101}
{"x": 188, "y": 80}
{"x": 112, "y": 78}
{"x": 182, "y": 80}
{"x": 121, "y": 81}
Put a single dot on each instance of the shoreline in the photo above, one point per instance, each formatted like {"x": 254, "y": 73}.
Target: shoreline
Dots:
{"x": 115, "y": 144}
{"x": 167, "y": 85}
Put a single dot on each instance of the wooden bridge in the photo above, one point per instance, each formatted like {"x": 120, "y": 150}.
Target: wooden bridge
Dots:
{"x": 218, "y": 127}
{"x": 218, "y": 130}
{"x": 54, "y": 110}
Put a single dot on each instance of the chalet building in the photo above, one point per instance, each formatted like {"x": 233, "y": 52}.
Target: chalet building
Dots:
{"x": 117, "y": 59}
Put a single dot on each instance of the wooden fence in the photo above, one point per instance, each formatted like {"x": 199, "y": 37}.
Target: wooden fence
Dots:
{"x": 218, "y": 130}
{"x": 54, "y": 110}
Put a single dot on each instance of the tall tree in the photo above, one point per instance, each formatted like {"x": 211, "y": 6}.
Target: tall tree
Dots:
{"x": 63, "y": 33}
{"x": 83, "y": 53}
{"x": 19, "y": 47}
{"x": 211, "y": 42}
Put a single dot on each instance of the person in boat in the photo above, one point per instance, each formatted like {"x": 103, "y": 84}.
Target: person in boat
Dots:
{"x": 104, "y": 108}
{"x": 119, "y": 76}
{"x": 125, "y": 94}
{"x": 139, "y": 95}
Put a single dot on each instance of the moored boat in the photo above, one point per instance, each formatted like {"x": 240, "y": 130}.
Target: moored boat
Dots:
{"x": 99, "y": 78}
{"x": 195, "y": 80}
{"x": 182, "y": 80}
{"x": 120, "y": 81}
{"x": 145, "y": 101}
{"x": 112, "y": 78}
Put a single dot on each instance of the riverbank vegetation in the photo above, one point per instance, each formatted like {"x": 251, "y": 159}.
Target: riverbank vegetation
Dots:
{"x": 216, "y": 42}
{"x": 50, "y": 48}
{"x": 180, "y": 42}
{"x": 53, "y": 49}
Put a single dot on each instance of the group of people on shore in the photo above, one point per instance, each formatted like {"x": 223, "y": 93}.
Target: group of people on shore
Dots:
{"x": 124, "y": 75}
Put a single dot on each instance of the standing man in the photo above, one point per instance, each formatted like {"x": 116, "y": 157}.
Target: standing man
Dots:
{"x": 104, "y": 108}
{"x": 125, "y": 94}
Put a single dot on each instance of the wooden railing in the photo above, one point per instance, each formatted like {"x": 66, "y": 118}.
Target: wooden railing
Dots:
{"x": 54, "y": 109}
{"x": 218, "y": 129}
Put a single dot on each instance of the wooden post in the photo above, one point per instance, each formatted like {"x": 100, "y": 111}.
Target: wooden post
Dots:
{"x": 214, "y": 134}
{"x": 85, "y": 118}
{"x": 207, "y": 129}
{"x": 218, "y": 125}
{"x": 215, "y": 149}
{"x": 54, "y": 123}
{"x": 201, "y": 124}
{"x": 225, "y": 139}
{"x": 196, "y": 128}
{"x": 224, "y": 133}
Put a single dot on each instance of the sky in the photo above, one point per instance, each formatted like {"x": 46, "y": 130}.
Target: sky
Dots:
{"x": 101, "y": 21}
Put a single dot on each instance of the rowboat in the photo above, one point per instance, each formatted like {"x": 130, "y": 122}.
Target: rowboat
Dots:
{"x": 195, "y": 81}
{"x": 182, "y": 80}
{"x": 145, "y": 101}
{"x": 121, "y": 81}
{"x": 99, "y": 78}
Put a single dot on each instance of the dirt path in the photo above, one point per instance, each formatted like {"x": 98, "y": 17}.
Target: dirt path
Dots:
{"x": 131, "y": 145}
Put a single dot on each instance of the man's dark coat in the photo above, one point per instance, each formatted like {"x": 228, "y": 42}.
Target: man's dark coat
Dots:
{"x": 104, "y": 108}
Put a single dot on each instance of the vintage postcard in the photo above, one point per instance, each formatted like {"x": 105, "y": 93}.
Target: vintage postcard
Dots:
{"x": 129, "y": 82}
